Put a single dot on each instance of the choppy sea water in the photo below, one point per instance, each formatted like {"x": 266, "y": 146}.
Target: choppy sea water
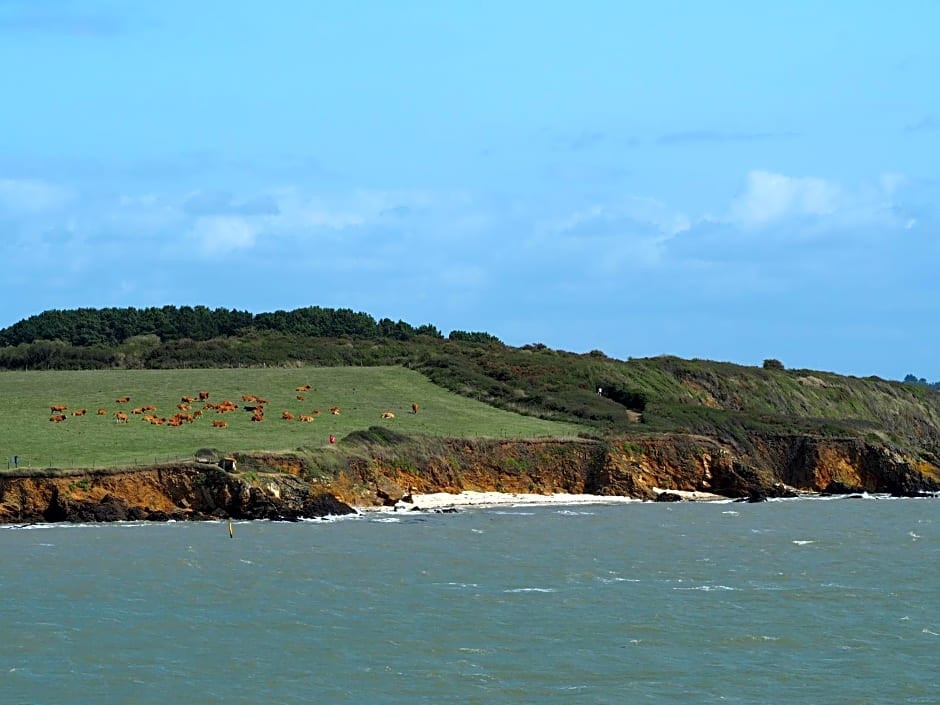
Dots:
{"x": 784, "y": 602}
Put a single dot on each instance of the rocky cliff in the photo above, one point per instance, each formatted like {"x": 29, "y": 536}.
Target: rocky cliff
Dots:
{"x": 290, "y": 486}
{"x": 773, "y": 466}
{"x": 185, "y": 492}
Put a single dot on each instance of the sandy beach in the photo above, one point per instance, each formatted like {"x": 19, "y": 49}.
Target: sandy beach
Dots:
{"x": 447, "y": 500}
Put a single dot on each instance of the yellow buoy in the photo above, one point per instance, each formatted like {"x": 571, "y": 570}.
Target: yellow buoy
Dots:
{"x": 231, "y": 534}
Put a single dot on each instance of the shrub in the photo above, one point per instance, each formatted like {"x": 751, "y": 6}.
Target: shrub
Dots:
{"x": 772, "y": 364}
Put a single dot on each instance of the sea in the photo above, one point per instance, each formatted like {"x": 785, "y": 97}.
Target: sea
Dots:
{"x": 793, "y": 601}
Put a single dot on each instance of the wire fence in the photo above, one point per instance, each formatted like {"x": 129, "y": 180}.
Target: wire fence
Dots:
{"x": 21, "y": 462}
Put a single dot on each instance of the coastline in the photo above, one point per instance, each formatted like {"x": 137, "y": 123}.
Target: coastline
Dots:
{"x": 437, "y": 501}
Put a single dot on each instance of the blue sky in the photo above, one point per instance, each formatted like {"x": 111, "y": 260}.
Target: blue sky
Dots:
{"x": 722, "y": 180}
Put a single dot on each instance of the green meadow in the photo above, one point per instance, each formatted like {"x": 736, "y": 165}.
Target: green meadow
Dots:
{"x": 361, "y": 393}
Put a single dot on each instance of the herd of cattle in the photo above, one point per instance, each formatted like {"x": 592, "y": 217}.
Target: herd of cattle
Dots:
{"x": 185, "y": 413}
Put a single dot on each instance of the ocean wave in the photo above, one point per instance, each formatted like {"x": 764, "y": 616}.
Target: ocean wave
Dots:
{"x": 530, "y": 589}
{"x": 707, "y": 588}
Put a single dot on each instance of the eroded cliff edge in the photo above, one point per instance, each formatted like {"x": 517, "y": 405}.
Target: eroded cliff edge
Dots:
{"x": 295, "y": 485}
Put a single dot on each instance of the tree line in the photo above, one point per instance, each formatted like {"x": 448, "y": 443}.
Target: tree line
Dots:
{"x": 109, "y": 327}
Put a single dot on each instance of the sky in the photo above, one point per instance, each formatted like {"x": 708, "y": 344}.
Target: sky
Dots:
{"x": 723, "y": 180}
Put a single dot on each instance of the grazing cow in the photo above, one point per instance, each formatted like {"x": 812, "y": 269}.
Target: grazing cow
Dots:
{"x": 57, "y": 418}
{"x": 334, "y": 410}
{"x": 122, "y": 400}
{"x": 316, "y": 412}
{"x": 57, "y": 408}
{"x": 188, "y": 400}
{"x": 203, "y": 395}
{"x": 287, "y": 416}
{"x": 304, "y": 388}
{"x": 138, "y": 410}
{"x": 79, "y": 412}
{"x": 305, "y": 418}
{"x": 258, "y": 416}
{"x": 120, "y": 416}
{"x": 220, "y": 424}
{"x": 249, "y": 397}
{"x": 414, "y": 408}
{"x": 388, "y": 415}
{"x": 183, "y": 406}
{"x": 102, "y": 412}
{"x": 197, "y": 413}
{"x": 300, "y": 397}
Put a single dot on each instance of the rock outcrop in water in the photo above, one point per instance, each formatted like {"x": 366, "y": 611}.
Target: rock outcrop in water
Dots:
{"x": 274, "y": 486}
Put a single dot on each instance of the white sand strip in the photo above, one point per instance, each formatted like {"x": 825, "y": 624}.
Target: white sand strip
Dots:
{"x": 447, "y": 500}
{"x": 441, "y": 500}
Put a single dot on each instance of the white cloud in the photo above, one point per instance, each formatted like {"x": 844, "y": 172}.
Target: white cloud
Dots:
{"x": 223, "y": 234}
{"x": 31, "y": 196}
{"x": 621, "y": 235}
{"x": 770, "y": 197}
{"x": 812, "y": 205}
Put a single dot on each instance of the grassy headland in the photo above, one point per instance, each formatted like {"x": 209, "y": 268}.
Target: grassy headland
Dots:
{"x": 361, "y": 393}
{"x": 467, "y": 385}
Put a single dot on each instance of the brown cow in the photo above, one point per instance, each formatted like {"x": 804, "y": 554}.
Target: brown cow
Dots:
{"x": 183, "y": 406}
{"x": 388, "y": 415}
{"x": 57, "y": 418}
{"x": 122, "y": 400}
{"x": 203, "y": 395}
{"x": 287, "y": 416}
{"x": 149, "y": 407}
{"x": 220, "y": 424}
{"x": 258, "y": 416}
{"x": 79, "y": 412}
{"x": 305, "y": 418}
{"x": 300, "y": 397}
{"x": 334, "y": 410}
{"x": 120, "y": 416}
{"x": 187, "y": 400}
{"x": 57, "y": 408}
{"x": 304, "y": 388}
{"x": 102, "y": 412}
{"x": 414, "y": 408}
{"x": 138, "y": 410}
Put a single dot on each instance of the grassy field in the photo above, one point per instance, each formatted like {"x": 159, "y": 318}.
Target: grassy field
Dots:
{"x": 361, "y": 393}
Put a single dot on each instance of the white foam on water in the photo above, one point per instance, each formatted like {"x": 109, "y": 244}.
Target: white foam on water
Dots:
{"x": 617, "y": 580}
{"x": 803, "y": 542}
{"x": 533, "y": 589}
{"x": 572, "y": 513}
{"x": 515, "y": 514}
